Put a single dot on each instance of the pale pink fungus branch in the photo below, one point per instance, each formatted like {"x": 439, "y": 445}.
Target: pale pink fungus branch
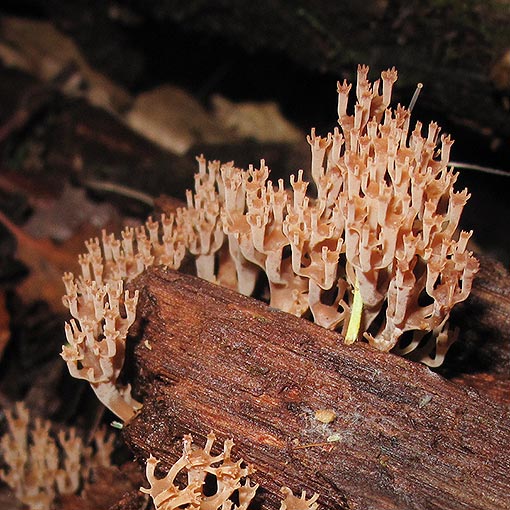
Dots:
{"x": 41, "y": 465}
{"x": 230, "y": 476}
{"x": 197, "y": 463}
{"x": 292, "y": 502}
{"x": 202, "y": 219}
{"x": 103, "y": 312}
{"x": 96, "y": 340}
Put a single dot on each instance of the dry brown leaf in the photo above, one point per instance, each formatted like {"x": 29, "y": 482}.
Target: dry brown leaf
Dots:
{"x": 38, "y": 48}
{"x": 46, "y": 262}
{"x": 5, "y": 332}
{"x": 260, "y": 121}
{"x": 175, "y": 120}
{"x": 59, "y": 219}
{"x": 50, "y": 241}
{"x": 500, "y": 72}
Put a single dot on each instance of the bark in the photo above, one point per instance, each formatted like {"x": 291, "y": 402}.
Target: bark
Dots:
{"x": 404, "y": 437}
{"x": 483, "y": 320}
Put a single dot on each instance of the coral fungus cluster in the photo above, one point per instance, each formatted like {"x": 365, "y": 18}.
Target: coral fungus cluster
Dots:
{"x": 228, "y": 478}
{"x": 378, "y": 228}
{"x": 197, "y": 463}
{"x": 41, "y": 465}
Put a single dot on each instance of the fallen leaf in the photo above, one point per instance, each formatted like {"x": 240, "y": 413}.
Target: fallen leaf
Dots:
{"x": 175, "y": 120}
{"x": 5, "y": 332}
{"x": 500, "y": 72}
{"x": 59, "y": 219}
{"x": 38, "y": 48}
{"x": 260, "y": 121}
{"x": 46, "y": 261}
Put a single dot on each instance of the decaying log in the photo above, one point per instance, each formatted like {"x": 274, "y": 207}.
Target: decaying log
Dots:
{"x": 404, "y": 437}
{"x": 481, "y": 359}
{"x": 484, "y": 320}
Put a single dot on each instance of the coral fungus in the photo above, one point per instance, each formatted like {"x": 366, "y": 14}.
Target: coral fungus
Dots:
{"x": 41, "y": 466}
{"x": 379, "y": 230}
{"x": 198, "y": 463}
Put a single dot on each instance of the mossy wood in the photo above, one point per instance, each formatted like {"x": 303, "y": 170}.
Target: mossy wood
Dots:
{"x": 209, "y": 359}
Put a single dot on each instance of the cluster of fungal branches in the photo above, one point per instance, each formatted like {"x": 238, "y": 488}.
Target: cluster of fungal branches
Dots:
{"x": 370, "y": 247}
{"x": 41, "y": 465}
{"x": 230, "y": 478}
{"x": 379, "y": 229}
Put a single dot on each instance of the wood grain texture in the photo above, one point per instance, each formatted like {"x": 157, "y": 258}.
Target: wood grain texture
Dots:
{"x": 481, "y": 357}
{"x": 210, "y": 359}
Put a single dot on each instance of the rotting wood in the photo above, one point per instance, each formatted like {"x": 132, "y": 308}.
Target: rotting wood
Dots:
{"x": 403, "y": 436}
{"x": 484, "y": 320}
{"x": 481, "y": 359}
